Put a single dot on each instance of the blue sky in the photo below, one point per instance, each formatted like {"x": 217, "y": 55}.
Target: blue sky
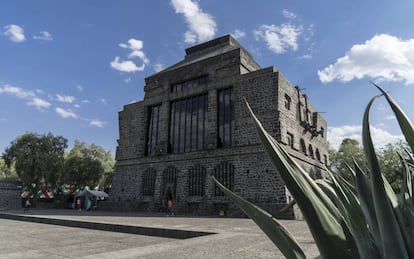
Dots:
{"x": 68, "y": 67}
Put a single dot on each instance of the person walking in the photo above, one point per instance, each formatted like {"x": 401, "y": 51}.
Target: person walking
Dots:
{"x": 27, "y": 205}
{"x": 169, "y": 207}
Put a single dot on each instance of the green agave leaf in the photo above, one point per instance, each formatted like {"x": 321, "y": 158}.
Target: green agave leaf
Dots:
{"x": 406, "y": 126}
{"x": 269, "y": 225}
{"x": 355, "y": 218}
{"x": 323, "y": 218}
{"x": 392, "y": 242}
{"x": 405, "y": 209}
{"x": 364, "y": 190}
{"x": 285, "y": 208}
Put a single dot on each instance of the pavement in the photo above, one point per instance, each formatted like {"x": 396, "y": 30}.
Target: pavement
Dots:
{"x": 100, "y": 234}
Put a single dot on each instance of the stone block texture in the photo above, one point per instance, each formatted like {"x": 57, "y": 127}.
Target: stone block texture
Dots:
{"x": 193, "y": 123}
{"x": 10, "y": 195}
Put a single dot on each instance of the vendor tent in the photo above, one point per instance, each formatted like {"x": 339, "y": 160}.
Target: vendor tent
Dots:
{"x": 90, "y": 194}
{"x": 89, "y": 199}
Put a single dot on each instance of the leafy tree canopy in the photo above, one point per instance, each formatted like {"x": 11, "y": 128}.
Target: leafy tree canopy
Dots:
{"x": 88, "y": 164}
{"x": 37, "y": 158}
{"x": 388, "y": 159}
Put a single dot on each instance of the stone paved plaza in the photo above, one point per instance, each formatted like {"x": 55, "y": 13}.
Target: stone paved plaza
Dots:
{"x": 234, "y": 238}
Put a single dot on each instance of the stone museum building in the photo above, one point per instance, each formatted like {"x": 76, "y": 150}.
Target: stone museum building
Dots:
{"x": 193, "y": 123}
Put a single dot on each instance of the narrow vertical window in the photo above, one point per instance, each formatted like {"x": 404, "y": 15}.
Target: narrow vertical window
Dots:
{"x": 318, "y": 155}
{"x": 153, "y": 129}
{"x": 311, "y": 151}
{"x": 303, "y": 146}
{"x": 287, "y": 101}
{"x": 224, "y": 173}
{"x": 148, "y": 182}
{"x": 225, "y": 117}
{"x": 196, "y": 181}
{"x": 290, "y": 139}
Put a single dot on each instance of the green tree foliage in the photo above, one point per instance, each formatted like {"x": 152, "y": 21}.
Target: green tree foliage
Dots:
{"x": 7, "y": 173}
{"x": 390, "y": 163}
{"x": 388, "y": 159}
{"x": 348, "y": 151}
{"x": 37, "y": 158}
{"x": 87, "y": 164}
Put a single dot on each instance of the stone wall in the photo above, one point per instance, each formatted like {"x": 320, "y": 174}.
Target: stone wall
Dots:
{"x": 10, "y": 195}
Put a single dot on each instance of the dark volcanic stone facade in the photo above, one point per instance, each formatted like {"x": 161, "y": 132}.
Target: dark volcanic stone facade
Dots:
{"x": 10, "y": 195}
{"x": 165, "y": 154}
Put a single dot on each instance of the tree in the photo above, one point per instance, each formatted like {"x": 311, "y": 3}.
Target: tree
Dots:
{"x": 348, "y": 151}
{"x": 7, "y": 173}
{"x": 37, "y": 158}
{"x": 390, "y": 163}
{"x": 87, "y": 164}
{"x": 388, "y": 159}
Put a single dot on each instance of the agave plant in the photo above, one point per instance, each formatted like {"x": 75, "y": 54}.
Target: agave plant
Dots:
{"x": 365, "y": 220}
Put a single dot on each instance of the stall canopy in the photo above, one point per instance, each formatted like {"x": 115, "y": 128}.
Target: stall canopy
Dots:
{"x": 89, "y": 193}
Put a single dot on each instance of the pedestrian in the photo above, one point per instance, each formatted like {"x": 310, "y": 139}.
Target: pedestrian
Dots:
{"x": 169, "y": 207}
{"x": 78, "y": 202}
{"x": 27, "y": 205}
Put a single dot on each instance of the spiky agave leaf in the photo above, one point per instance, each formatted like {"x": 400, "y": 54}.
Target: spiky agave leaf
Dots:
{"x": 269, "y": 225}
{"x": 406, "y": 126}
{"x": 405, "y": 209}
{"x": 354, "y": 217}
{"x": 392, "y": 241}
{"x": 323, "y": 218}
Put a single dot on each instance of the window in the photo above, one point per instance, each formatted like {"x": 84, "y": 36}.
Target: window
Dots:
{"x": 303, "y": 146}
{"x": 148, "y": 182}
{"x": 318, "y": 155}
{"x": 311, "y": 151}
{"x": 224, "y": 173}
{"x": 315, "y": 119}
{"x": 225, "y": 117}
{"x": 195, "y": 82}
{"x": 153, "y": 129}
{"x": 196, "y": 181}
{"x": 322, "y": 131}
{"x": 169, "y": 181}
{"x": 287, "y": 101}
{"x": 188, "y": 123}
{"x": 325, "y": 158}
{"x": 290, "y": 139}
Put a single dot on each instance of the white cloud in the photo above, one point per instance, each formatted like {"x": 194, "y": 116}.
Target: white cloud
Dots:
{"x": 238, "y": 34}
{"x": 38, "y": 103}
{"x": 201, "y": 26}
{"x": 288, "y": 14}
{"x": 17, "y": 91}
{"x": 79, "y": 87}
{"x": 380, "y": 137}
{"x": 14, "y": 32}
{"x": 65, "y": 113}
{"x": 279, "y": 38}
{"x": 384, "y": 57}
{"x": 103, "y": 100}
{"x": 32, "y": 98}
{"x": 44, "y": 35}
{"x": 126, "y": 66}
{"x": 65, "y": 98}
{"x": 127, "y": 80}
{"x": 136, "y": 47}
{"x": 97, "y": 123}
{"x": 158, "y": 67}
